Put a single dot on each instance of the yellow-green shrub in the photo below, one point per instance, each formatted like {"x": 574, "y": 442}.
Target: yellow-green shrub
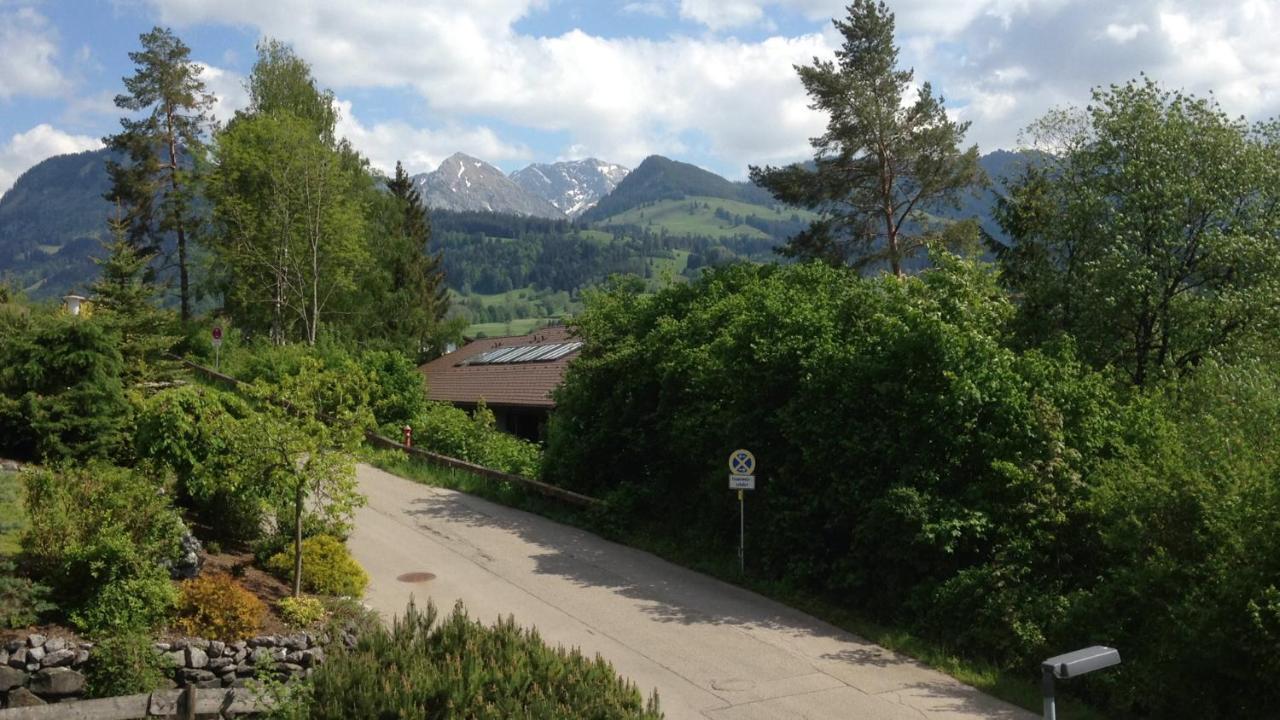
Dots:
{"x": 300, "y": 611}
{"x": 215, "y": 606}
{"x": 327, "y": 567}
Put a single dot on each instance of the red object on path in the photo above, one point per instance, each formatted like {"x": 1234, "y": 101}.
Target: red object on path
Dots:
{"x": 408, "y": 436}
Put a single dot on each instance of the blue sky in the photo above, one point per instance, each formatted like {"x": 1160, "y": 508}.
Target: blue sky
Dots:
{"x": 705, "y": 81}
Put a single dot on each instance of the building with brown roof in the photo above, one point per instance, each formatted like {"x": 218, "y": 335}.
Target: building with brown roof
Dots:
{"x": 514, "y": 376}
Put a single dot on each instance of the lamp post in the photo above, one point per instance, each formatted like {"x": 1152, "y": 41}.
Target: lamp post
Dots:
{"x": 1072, "y": 664}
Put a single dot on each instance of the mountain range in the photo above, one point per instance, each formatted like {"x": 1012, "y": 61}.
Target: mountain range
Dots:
{"x": 558, "y": 190}
{"x": 54, "y": 216}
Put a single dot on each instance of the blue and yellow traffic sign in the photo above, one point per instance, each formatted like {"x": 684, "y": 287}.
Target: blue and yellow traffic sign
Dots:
{"x": 742, "y": 462}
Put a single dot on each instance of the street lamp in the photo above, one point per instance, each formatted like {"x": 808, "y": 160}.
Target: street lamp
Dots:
{"x": 1073, "y": 664}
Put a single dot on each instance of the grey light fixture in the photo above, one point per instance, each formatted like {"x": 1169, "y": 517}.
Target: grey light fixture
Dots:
{"x": 1073, "y": 664}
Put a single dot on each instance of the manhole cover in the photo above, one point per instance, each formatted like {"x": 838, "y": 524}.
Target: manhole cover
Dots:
{"x": 416, "y": 577}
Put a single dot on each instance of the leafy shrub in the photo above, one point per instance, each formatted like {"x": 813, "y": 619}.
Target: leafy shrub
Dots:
{"x": 101, "y": 537}
{"x": 473, "y": 437}
{"x": 214, "y": 605}
{"x": 125, "y": 664}
{"x": 460, "y": 668}
{"x": 22, "y": 601}
{"x": 327, "y": 567}
{"x": 301, "y": 611}
{"x": 127, "y": 603}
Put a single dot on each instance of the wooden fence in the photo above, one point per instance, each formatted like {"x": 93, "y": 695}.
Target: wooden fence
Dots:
{"x": 185, "y": 704}
{"x": 383, "y": 441}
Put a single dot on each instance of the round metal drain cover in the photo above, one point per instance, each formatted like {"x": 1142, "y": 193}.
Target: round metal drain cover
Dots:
{"x": 416, "y": 577}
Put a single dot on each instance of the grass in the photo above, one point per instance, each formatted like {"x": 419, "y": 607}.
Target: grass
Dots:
{"x": 13, "y": 514}
{"x": 675, "y": 216}
{"x": 1023, "y": 691}
{"x": 521, "y": 326}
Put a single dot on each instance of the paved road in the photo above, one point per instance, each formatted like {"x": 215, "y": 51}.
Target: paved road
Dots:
{"x": 713, "y": 651}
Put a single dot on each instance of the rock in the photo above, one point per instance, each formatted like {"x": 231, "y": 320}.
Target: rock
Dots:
{"x": 196, "y": 658}
{"x": 240, "y": 655}
{"x": 4, "y": 657}
{"x": 239, "y": 645}
{"x": 179, "y": 644}
{"x": 193, "y": 675}
{"x": 59, "y": 658}
{"x": 58, "y": 682}
{"x": 199, "y": 643}
{"x": 288, "y": 668}
{"x": 162, "y": 646}
{"x": 82, "y": 657}
{"x": 18, "y": 658}
{"x": 295, "y": 642}
{"x": 188, "y": 563}
{"x": 178, "y": 657}
{"x": 32, "y": 666}
{"x": 348, "y": 640}
{"x": 263, "y": 641}
{"x": 241, "y": 682}
{"x": 11, "y": 678}
{"x": 228, "y": 680}
{"x": 216, "y": 648}
{"x": 35, "y": 654}
{"x": 22, "y": 697}
{"x": 313, "y": 657}
{"x": 294, "y": 657}
{"x": 12, "y": 646}
{"x": 246, "y": 671}
{"x": 213, "y": 682}
{"x": 36, "y": 640}
{"x": 219, "y": 664}
{"x": 53, "y": 645}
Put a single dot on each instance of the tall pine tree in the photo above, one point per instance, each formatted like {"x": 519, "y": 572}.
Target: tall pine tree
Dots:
{"x": 166, "y": 89}
{"x": 420, "y": 296}
{"x": 882, "y": 163}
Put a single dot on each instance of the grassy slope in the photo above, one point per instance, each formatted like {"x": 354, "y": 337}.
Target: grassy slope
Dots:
{"x": 1015, "y": 689}
{"x": 12, "y": 513}
{"x": 674, "y": 215}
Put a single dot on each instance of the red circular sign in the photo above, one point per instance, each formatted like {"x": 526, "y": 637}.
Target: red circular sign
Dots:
{"x": 217, "y": 333}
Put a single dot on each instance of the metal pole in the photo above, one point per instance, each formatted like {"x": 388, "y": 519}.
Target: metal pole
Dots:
{"x": 1046, "y": 689}
{"x": 217, "y": 357}
{"x": 742, "y": 534}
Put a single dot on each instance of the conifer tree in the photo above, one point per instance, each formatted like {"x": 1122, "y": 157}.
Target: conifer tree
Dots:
{"x": 124, "y": 299}
{"x": 155, "y": 184}
{"x": 417, "y": 276}
{"x": 882, "y": 163}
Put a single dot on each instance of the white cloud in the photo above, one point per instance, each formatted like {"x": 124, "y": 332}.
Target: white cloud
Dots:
{"x": 652, "y": 8}
{"x": 28, "y": 49}
{"x": 28, "y": 148}
{"x": 720, "y": 14}
{"x": 419, "y": 149}
{"x": 227, "y": 89}
{"x": 1125, "y": 33}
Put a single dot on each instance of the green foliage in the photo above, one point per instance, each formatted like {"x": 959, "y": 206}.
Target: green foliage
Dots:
{"x": 61, "y": 394}
{"x": 215, "y": 606}
{"x": 329, "y": 567}
{"x": 127, "y": 603}
{"x": 22, "y": 601}
{"x": 883, "y": 162}
{"x": 460, "y": 668}
{"x": 301, "y": 612}
{"x": 102, "y": 537}
{"x": 474, "y": 437}
{"x": 1149, "y": 234}
{"x": 125, "y": 664}
{"x": 658, "y": 178}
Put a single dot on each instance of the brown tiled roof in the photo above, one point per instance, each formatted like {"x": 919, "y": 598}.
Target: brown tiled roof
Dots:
{"x": 511, "y": 384}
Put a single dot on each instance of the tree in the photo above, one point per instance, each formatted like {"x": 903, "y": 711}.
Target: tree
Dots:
{"x": 167, "y": 89}
{"x": 1148, "y": 233}
{"x": 291, "y": 224}
{"x": 300, "y": 460}
{"x": 281, "y": 82}
{"x": 881, "y": 164}
{"x": 124, "y": 300}
{"x": 415, "y": 301}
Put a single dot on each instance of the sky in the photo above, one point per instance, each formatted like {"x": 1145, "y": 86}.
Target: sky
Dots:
{"x": 710, "y": 82}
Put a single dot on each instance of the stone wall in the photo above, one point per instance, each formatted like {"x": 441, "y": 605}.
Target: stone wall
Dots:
{"x": 38, "y": 670}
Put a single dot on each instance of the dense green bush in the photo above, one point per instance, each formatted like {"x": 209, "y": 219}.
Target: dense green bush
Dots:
{"x": 300, "y": 611}
{"x": 125, "y": 664}
{"x": 22, "y": 601}
{"x": 193, "y": 431}
{"x": 61, "y": 393}
{"x": 327, "y": 567}
{"x": 102, "y": 538}
{"x": 474, "y": 437}
{"x": 462, "y": 669}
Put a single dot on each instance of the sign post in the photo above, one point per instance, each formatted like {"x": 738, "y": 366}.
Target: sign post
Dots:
{"x": 217, "y": 348}
{"x": 742, "y": 468}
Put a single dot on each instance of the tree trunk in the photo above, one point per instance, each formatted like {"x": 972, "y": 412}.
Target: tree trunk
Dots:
{"x": 298, "y": 498}
{"x": 184, "y": 297}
